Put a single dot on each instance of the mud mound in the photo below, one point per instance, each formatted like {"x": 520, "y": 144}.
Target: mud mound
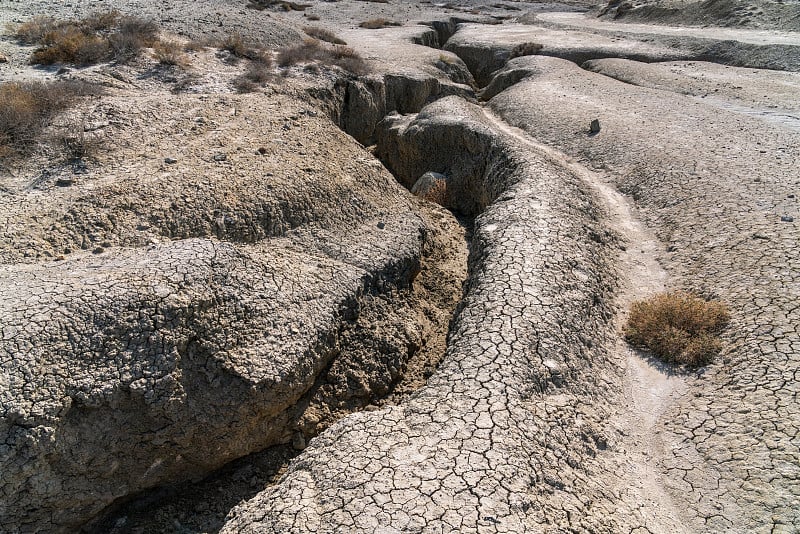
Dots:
{"x": 764, "y": 14}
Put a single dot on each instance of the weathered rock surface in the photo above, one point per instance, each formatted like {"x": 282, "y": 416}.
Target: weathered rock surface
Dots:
{"x": 736, "y": 46}
{"x": 127, "y": 365}
{"x": 499, "y": 437}
{"x": 731, "y": 13}
{"x": 231, "y": 272}
{"x": 714, "y": 194}
{"x": 487, "y": 48}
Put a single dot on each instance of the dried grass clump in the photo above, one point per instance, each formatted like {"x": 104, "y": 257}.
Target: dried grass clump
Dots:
{"x": 678, "y": 327}
{"x": 377, "y": 24}
{"x": 258, "y": 72}
{"x": 526, "y": 49}
{"x": 313, "y": 51}
{"x": 323, "y": 35}
{"x": 33, "y": 31}
{"x": 131, "y": 35}
{"x": 27, "y": 107}
{"x": 101, "y": 36}
{"x": 170, "y": 53}
{"x": 70, "y": 44}
{"x": 240, "y": 47}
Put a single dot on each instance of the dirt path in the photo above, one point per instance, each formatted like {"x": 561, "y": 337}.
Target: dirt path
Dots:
{"x": 649, "y": 387}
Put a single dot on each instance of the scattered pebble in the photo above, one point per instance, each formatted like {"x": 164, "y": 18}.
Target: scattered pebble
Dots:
{"x": 220, "y": 156}
{"x": 170, "y": 161}
{"x": 787, "y": 218}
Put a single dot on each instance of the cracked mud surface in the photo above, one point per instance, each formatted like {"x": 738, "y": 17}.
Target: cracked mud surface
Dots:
{"x": 268, "y": 333}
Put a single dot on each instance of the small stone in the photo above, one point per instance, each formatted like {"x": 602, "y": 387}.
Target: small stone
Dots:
{"x": 98, "y": 250}
{"x": 787, "y": 218}
{"x": 3, "y": 59}
{"x": 262, "y": 150}
{"x": 170, "y": 161}
{"x": 381, "y": 225}
{"x": 220, "y": 156}
{"x": 299, "y": 442}
{"x": 594, "y": 127}
{"x": 64, "y": 182}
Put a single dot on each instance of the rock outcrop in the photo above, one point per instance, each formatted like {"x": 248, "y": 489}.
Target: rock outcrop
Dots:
{"x": 128, "y": 365}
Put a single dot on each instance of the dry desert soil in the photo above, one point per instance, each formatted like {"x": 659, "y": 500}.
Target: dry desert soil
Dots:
{"x": 254, "y": 281}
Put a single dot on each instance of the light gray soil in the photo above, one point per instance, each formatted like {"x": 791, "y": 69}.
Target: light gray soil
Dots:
{"x": 234, "y": 317}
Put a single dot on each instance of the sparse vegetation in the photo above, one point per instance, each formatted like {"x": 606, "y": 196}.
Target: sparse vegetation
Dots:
{"x": 26, "y": 108}
{"x": 312, "y": 50}
{"x": 102, "y": 36}
{"x": 323, "y": 35}
{"x": 376, "y": 24}
{"x": 170, "y": 53}
{"x": 131, "y": 36}
{"x": 76, "y": 143}
{"x": 257, "y": 73}
{"x": 525, "y": 49}
{"x": 678, "y": 327}
{"x": 33, "y": 31}
{"x": 239, "y": 47}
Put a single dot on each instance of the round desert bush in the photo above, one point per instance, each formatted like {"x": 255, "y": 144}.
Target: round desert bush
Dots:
{"x": 678, "y": 327}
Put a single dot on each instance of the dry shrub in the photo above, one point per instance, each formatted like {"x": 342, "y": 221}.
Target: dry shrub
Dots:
{"x": 257, "y": 73}
{"x": 376, "y": 24}
{"x": 33, "y": 31}
{"x": 101, "y": 21}
{"x": 240, "y": 47}
{"x": 525, "y": 49}
{"x": 27, "y": 107}
{"x": 348, "y": 59}
{"x": 323, "y": 35}
{"x": 308, "y": 50}
{"x": 101, "y": 36}
{"x": 678, "y": 327}
{"x": 312, "y": 50}
{"x": 196, "y": 45}
{"x": 69, "y": 44}
{"x": 131, "y": 36}
{"x": 234, "y": 43}
{"x": 76, "y": 143}
{"x": 170, "y": 53}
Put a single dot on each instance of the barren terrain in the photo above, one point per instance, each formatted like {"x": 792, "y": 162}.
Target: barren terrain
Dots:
{"x": 226, "y": 311}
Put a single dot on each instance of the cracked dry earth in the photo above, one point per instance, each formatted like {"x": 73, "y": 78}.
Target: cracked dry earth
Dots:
{"x": 269, "y": 333}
